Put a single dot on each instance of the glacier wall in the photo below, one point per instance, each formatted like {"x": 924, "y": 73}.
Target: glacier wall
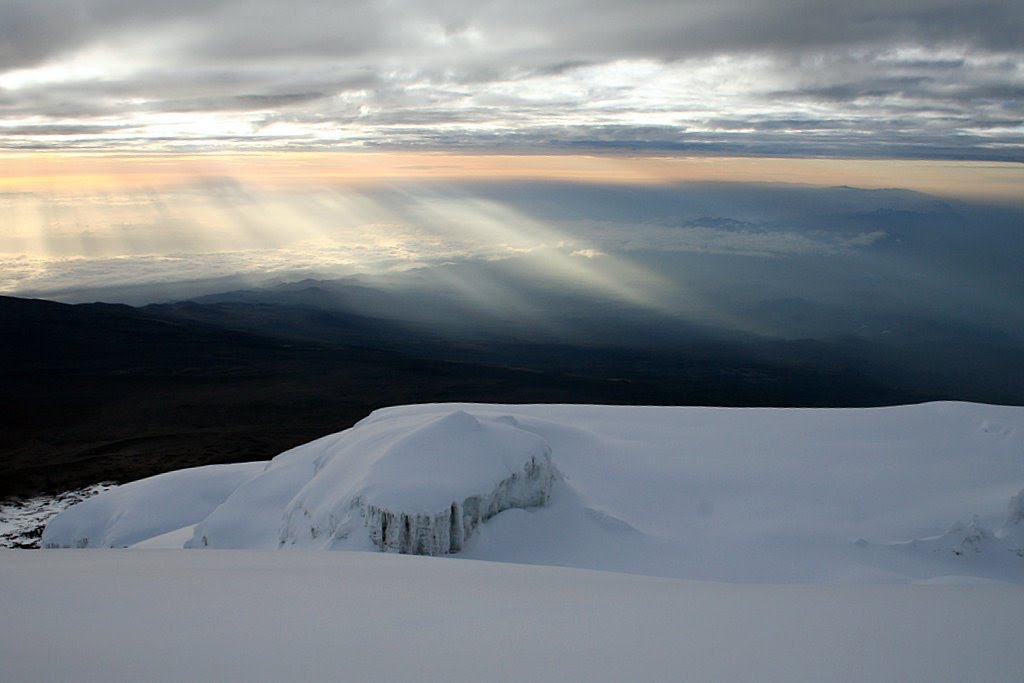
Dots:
{"x": 446, "y": 531}
{"x": 416, "y": 484}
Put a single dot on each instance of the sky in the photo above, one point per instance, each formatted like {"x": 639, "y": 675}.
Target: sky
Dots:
{"x": 143, "y": 139}
{"x": 917, "y": 79}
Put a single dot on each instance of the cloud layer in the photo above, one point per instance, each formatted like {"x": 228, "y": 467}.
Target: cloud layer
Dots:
{"x": 923, "y": 78}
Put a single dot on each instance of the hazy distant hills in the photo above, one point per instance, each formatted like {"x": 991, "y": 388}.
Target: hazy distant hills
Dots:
{"x": 867, "y": 351}
{"x": 94, "y": 391}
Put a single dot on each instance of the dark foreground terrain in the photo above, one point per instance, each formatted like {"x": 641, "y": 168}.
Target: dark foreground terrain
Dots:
{"x": 99, "y": 392}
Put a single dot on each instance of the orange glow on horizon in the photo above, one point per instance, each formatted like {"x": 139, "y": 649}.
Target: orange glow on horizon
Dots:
{"x": 85, "y": 174}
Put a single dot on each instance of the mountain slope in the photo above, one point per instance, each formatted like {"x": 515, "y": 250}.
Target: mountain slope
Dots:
{"x": 102, "y": 392}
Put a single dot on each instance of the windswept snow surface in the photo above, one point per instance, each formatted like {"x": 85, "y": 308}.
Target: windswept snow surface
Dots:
{"x": 134, "y": 512}
{"x": 151, "y": 615}
{"x": 747, "y": 495}
{"x": 929, "y": 496}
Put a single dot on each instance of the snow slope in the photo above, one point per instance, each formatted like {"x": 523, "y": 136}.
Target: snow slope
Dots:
{"x": 22, "y": 520}
{"x": 841, "y": 545}
{"x": 134, "y": 512}
{"x": 751, "y": 495}
{"x": 106, "y": 615}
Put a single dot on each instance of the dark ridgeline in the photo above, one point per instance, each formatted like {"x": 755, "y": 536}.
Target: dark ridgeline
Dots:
{"x": 108, "y": 392}
{"x": 98, "y": 392}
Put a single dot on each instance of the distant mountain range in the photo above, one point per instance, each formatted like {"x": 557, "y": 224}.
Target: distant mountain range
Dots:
{"x": 95, "y": 392}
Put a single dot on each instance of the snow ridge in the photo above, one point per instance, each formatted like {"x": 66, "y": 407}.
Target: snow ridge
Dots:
{"x": 139, "y": 510}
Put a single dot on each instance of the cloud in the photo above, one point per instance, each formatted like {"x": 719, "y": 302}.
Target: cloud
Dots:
{"x": 676, "y": 75}
{"x": 221, "y": 227}
{"x": 33, "y": 32}
{"x": 603, "y": 28}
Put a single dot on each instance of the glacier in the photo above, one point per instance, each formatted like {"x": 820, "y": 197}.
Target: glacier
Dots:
{"x": 742, "y": 500}
{"x": 418, "y": 487}
{"x": 720, "y": 494}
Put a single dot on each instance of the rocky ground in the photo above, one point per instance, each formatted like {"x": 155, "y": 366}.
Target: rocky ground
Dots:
{"x": 22, "y": 519}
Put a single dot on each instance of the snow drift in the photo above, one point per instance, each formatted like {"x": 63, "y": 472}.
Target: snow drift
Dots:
{"x": 253, "y": 616}
{"x": 142, "y": 509}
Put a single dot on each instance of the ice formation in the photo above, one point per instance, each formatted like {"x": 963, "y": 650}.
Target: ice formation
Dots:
{"x": 751, "y": 495}
{"x": 965, "y": 537}
{"x": 424, "y": 492}
{"x": 1015, "y": 513}
{"x": 1012, "y": 533}
{"x": 419, "y": 486}
{"x": 447, "y": 531}
{"x": 969, "y": 539}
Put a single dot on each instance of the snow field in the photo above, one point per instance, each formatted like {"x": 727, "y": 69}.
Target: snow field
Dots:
{"x": 269, "y": 616}
{"x": 840, "y": 545}
{"x": 902, "y": 494}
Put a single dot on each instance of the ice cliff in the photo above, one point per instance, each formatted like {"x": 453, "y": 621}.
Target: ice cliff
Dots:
{"x": 420, "y": 488}
{"x": 447, "y": 531}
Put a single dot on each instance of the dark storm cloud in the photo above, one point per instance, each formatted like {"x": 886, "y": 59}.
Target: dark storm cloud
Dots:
{"x": 60, "y": 129}
{"x": 574, "y": 31}
{"x": 239, "y": 102}
{"x": 181, "y": 90}
{"x": 919, "y": 88}
{"x": 679, "y": 28}
{"x": 33, "y": 32}
{"x": 878, "y": 143}
{"x": 424, "y": 72}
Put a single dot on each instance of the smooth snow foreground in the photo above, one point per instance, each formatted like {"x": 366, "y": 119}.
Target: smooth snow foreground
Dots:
{"x": 306, "y": 616}
{"x": 913, "y": 493}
